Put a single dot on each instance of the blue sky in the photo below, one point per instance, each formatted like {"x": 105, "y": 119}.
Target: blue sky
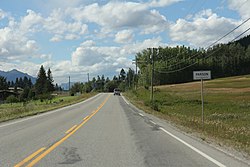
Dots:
{"x": 100, "y": 37}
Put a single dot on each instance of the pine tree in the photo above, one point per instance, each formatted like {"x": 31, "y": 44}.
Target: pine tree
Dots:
{"x": 50, "y": 86}
{"x": 41, "y": 82}
{"x": 122, "y": 75}
{"x": 3, "y": 83}
{"x": 30, "y": 84}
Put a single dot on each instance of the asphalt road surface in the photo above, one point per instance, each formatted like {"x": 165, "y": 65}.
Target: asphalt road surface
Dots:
{"x": 103, "y": 131}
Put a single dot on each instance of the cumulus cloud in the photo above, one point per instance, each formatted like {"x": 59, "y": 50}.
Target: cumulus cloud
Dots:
{"x": 31, "y": 22}
{"x": 119, "y": 15}
{"x": 124, "y": 36}
{"x": 241, "y": 6}
{"x": 63, "y": 29}
{"x": 162, "y": 3}
{"x": 205, "y": 28}
{"x": 88, "y": 43}
{"x": 2, "y": 14}
{"x": 15, "y": 45}
{"x": 86, "y": 57}
{"x": 132, "y": 49}
{"x": 107, "y": 60}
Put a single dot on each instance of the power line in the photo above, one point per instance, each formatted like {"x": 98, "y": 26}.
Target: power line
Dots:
{"x": 197, "y": 54}
{"x": 183, "y": 68}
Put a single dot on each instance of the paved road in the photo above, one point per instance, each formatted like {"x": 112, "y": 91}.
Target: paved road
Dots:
{"x": 102, "y": 131}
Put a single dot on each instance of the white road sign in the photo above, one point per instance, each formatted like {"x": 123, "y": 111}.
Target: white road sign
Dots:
{"x": 198, "y": 75}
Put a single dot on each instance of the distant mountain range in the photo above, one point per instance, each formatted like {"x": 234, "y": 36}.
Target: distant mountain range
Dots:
{"x": 13, "y": 74}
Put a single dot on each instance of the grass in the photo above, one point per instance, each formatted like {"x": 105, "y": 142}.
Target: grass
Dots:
{"x": 226, "y": 112}
{"x": 19, "y": 110}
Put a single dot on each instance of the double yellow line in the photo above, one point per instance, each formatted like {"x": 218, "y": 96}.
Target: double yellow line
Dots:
{"x": 42, "y": 152}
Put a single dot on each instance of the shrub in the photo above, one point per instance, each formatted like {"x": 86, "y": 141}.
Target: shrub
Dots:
{"x": 12, "y": 99}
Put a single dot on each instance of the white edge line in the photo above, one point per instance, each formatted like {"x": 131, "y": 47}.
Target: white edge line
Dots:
{"x": 47, "y": 113}
{"x": 195, "y": 149}
{"x": 141, "y": 114}
{"x": 153, "y": 122}
{"x": 125, "y": 100}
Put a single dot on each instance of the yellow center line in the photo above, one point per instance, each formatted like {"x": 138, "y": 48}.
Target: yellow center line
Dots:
{"x": 85, "y": 118}
{"x": 29, "y": 157}
{"x": 71, "y": 129}
{"x": 36, "y": 160}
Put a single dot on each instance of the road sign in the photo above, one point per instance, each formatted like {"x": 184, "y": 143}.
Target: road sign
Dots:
{"x": 201, "y": 75}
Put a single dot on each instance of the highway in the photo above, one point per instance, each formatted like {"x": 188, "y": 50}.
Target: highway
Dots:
{"x": 105, "y": 131}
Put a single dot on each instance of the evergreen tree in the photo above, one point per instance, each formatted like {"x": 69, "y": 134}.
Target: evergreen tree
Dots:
{"x": 30, "y": 84}
{"x": 17, "y": 82}
{"x": 130, "y": 77}
{"x": 41, "y": 82}
{"x": 122, "y": 75}
{"x": 9, "y": 84}
{"x": 26, "y": 82}
{"x": 12, "y": 84}
{"x": 3, "y": 83}
{"x": 21, "y": 83}
{"x": 50, "y": 86}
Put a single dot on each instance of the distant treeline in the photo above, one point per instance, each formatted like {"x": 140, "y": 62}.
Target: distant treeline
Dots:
{"x": 176, "y": 64}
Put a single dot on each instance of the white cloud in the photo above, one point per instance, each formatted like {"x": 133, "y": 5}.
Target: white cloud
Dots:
{"x": 71, "y": 36}
{"x": 133, "y": 48}
{"x": 31, "y": 22}
{"x": 241, "y": 6}
{"x": 15, "y": 44}
{"x": 46, "y": 56}
{"x": 162, "y": 3}
{"x": 204, "y": 29}
{"x": 86, "y": 57}
{"x": 107, "y": 60}
{"x": 124, "y": 36}
{"x": 58, "y": 25}
{"x": 88, "y": 43}
{"x": 2, "y": 14}
{"x": 56, "y": 38}
{"x": 118, "y": 15}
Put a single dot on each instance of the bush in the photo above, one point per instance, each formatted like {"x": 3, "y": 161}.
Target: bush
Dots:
{"x": 45, "y": 97}
{"x": 154, "y": 105}
{"x": 12, "y": 99}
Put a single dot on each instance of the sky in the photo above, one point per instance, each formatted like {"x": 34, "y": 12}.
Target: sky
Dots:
{"x": 99, "y": 37}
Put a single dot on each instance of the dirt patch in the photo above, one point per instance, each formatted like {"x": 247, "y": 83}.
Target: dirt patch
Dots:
{"x": 191, "y": 85}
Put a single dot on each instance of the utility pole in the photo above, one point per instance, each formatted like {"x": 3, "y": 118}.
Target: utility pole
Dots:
{"x": 136, "y": 75}
{"x": 152, "y": 76}
{"x": 69, "y": 83}
{"x": 88, "y": 77}
{"x": 135, "y": 65}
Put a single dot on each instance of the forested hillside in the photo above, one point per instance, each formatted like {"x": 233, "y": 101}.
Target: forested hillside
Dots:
{"x": 176, "y": 64}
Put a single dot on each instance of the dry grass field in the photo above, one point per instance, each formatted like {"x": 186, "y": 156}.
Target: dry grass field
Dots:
{"x": 226, "y": 109}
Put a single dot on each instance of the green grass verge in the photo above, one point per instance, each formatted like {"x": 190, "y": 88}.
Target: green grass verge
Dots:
{"x": 227, "y": 109}
{"x": 19, "y": 110}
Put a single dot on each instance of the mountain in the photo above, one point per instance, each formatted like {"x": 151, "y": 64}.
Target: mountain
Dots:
{"x": 13, "y": 74}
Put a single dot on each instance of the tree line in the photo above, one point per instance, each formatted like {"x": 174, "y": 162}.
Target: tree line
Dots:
{"x": 124, "y": 81}
{"x": 25, "y": 90}
{"x": 176, "y": 64}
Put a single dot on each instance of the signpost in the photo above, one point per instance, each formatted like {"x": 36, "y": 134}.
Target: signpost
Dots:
{"x": 202, "y": 75}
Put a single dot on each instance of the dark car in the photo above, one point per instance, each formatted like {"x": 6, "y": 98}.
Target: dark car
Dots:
{"x": 117, "y": 91}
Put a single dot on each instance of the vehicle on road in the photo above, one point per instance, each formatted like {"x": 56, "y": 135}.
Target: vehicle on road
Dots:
{"x": 117, "y": 91}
